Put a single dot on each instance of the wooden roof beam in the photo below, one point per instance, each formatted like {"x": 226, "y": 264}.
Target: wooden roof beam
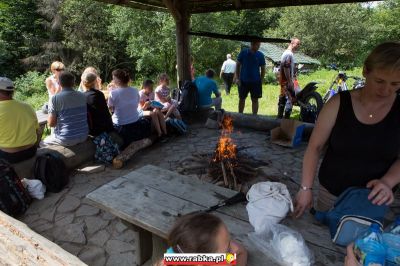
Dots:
{"x": 170, "y": 4}
{"x": 237, "y": 3}
{"x": 199, "y": 7}
{"x": 136, "y": 5}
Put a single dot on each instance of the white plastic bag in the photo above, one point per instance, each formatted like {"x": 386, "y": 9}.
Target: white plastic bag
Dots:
{"x": 269, "y": 202}
{"x": 286, "y": 246}
{"x": 35, "y": 188}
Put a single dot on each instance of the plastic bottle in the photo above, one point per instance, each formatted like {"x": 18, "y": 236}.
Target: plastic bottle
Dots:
{"x": 369, "y": 248}
{"x": 394, "y": 228}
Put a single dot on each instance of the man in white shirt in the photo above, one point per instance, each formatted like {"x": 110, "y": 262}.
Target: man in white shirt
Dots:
{"x": 227, "y": 72}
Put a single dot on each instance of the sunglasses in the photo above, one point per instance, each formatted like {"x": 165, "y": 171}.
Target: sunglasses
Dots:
{"x": 59, "y": 69}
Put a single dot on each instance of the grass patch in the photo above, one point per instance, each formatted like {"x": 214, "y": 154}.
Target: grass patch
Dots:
{"x": 268, "y": 104}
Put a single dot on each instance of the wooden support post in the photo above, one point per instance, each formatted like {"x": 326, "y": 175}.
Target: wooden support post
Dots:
{"x": 182, "y": 41}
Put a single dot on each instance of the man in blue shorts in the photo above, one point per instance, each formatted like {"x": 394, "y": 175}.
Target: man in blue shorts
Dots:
{"x": 250, "y": 71}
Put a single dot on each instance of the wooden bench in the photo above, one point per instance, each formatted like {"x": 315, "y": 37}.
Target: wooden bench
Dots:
{"x": 150, "y": 198}
{"x": 20, "y": 245}
{"x": 42, "y": 119}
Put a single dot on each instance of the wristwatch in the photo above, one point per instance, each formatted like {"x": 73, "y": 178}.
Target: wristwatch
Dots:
{"x": 305, "y": 188}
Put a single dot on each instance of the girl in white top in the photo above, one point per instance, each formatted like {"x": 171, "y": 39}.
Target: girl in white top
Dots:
{"x": 163, "y": 96}
{"x": 146, "y": 95}
{"x": 52, "y": 83}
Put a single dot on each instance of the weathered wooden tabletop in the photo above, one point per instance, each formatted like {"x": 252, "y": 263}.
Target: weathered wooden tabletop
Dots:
{"x": 42, "y": 117}
{"x": 152, "y": 197}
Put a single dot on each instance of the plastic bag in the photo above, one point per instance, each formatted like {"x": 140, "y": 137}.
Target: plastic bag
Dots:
{"x": 286, "y": 246}
{"x": 35, "y": 188}
{"x": 269, "y": 202}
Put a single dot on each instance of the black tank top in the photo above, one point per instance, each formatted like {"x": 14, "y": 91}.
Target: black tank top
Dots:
{"x": 358, "y": 153}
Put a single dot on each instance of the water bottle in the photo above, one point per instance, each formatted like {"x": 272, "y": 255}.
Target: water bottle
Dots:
{"x": 394, "y": 228}
{"x": 392, "y": 245}
{"x": 369, "y": 248}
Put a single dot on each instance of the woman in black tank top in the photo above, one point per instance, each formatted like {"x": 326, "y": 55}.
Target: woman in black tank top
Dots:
{"x": 361, "y": 129}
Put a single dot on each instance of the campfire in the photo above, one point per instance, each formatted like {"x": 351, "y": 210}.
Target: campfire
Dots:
{"x": 226, "y": 167}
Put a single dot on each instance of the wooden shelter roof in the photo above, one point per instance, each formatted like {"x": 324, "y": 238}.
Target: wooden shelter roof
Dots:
{"x": 205, "y": 6}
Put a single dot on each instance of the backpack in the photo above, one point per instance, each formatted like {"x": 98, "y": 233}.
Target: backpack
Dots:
{"x": 106, "y": 149}
{"x": 50, "y": 169}
{"x": 352, "y": 202}
{"x": 189, "y": 97}
{"x": 14, "y": 198}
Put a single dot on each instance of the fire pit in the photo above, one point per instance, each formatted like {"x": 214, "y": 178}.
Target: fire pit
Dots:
{"x": 225, "y": 166}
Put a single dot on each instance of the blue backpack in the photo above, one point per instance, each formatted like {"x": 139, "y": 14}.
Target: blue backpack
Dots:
{"x": 106, "y": 149}
{"x": 351, "y": 215}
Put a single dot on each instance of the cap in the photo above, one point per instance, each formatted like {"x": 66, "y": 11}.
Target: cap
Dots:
{"x": 89, "y": 77}
{"x": 6, "y": 84}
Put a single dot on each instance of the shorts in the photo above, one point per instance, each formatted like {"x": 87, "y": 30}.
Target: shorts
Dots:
{"x": 255, "y": 89}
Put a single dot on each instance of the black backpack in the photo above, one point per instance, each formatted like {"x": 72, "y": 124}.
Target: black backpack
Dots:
{"x": 189, "y": 97}
{"x": 14, "y": 198}
{"x": 50, "y": 169}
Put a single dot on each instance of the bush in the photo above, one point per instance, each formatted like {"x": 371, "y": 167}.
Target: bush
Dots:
{"x": 31, "y": 88}
{"x": 270, "y": 78}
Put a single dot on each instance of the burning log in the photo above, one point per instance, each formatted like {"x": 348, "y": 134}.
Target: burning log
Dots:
{"x": 225, "y": 165}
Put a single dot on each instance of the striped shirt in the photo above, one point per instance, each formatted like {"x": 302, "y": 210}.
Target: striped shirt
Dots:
{"x": 69, "y": 106}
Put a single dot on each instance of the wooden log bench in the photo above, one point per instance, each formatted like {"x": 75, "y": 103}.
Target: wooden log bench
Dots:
{"x": 150, "y": 198}
{"x": 19, "y": 245}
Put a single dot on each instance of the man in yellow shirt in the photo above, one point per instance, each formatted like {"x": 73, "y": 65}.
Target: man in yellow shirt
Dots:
{"x": 19, "y": 126}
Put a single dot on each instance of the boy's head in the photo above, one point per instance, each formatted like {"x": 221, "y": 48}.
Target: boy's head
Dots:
{"x": 148, "y": 85}
{"x": 199, "y": 233}
{"x": 67, "y": 80}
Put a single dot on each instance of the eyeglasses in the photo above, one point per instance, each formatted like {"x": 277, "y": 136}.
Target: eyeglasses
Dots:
{"x": 59, "y": 69}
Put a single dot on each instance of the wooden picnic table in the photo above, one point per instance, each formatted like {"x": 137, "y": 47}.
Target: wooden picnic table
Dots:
{"x": 151, "y": 198}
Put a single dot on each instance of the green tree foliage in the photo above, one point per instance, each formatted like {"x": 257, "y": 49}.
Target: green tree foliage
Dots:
{"x": 150, "y": 39}
{"x": 331, "y": 33}
{"x": 31, "y": 88}
{"x": 385, "y": 22}
{"x": 86, "y": 33}
{"x": 20, "y": 30}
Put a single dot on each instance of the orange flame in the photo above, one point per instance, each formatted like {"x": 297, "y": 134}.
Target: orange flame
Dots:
{"x": 226, "y": 149}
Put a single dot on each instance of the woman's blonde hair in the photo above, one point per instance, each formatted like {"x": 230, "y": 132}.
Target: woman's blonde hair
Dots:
{"x": 91, "y": 70}
{"x": 57, "y": 65}
{"x": 384, "y": 56}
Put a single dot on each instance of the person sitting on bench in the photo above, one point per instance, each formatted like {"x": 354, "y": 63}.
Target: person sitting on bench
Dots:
{"x": 148, "y": 110}
{"x": 123, "y": 103}
{"x": 163, "y": 96}
{"x": 205, "y": 87}
{"x": 68, "y": 114}
{"x": 19, "y": 126}
{"x": 99, "y": 116}
{"x": 204, "y": 233}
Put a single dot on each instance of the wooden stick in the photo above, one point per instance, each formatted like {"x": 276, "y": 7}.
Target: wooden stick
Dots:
{"x": 224, "y": 173}
{"x": 235, "y": 185}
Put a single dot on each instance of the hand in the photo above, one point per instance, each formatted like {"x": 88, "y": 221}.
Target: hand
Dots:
{"x": 146, "y": 105}
{"x": 350, "y": 259}
{"x": 381, "y": 193}
{"x": 304, "y": 200}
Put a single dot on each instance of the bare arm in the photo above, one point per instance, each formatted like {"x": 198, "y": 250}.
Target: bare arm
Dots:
{"x": 321, "y": 132}
{"x": 237, "y": 72}
{"x": 381, "y": 189}
{"x": 262, "y": 73}
{"x": 52, "y": 120}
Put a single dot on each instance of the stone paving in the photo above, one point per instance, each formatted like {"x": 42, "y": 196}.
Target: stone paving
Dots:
{"x": 99, "y": 238}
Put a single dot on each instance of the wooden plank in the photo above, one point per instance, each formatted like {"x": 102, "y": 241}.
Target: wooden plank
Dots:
{"x": 157, "y": 211}
{"x": 19, "y": 245}
{"x": 150, "y": 198}
{"x": 42, "y": 117}
{"x": 195, "y": 190}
